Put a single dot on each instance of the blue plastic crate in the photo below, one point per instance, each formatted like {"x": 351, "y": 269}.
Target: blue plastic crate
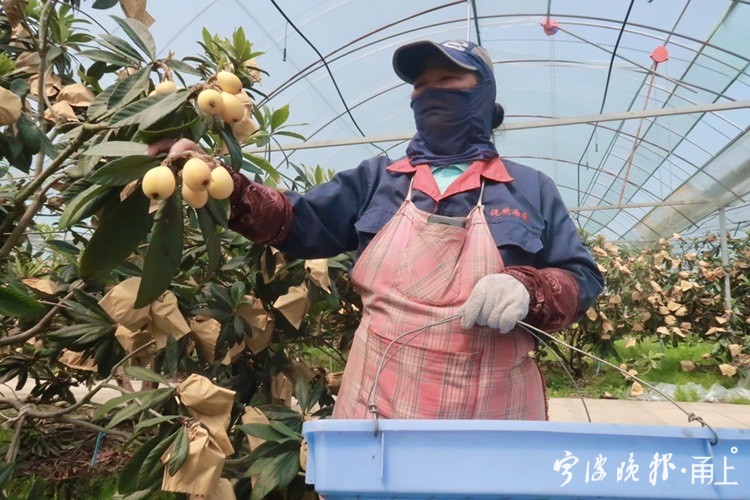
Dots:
{"x": 522, "y": 459}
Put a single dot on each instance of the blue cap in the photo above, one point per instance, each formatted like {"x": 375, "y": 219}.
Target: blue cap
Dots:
{"x": 464, "y": 54}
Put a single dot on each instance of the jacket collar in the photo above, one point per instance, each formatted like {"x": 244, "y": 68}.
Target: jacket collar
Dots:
{"x": 493, "y": 169}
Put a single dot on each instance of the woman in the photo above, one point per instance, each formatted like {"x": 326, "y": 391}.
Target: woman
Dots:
{"x": 454, "y": 247}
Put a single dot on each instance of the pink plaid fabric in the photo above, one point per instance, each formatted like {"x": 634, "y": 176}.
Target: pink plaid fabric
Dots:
{"x": 414, "y": 274}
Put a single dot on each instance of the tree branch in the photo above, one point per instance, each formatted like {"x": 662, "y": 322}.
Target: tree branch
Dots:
{"x": 96, "y": 389}
{"x": 88, "y": 425}
{"x": 15, "y": 443}
{"x": 32, "y": 412}
{"x": 34, "y": 330}
{"x": 41, "y": 92}
{"x": 83, "y": 135}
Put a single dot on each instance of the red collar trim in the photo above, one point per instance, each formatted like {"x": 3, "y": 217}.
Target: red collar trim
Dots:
{"x": 493, "y": 169}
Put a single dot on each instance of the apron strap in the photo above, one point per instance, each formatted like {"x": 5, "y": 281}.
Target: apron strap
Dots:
{"x": 408, "y": 193}
{"x": 481, "y": 196}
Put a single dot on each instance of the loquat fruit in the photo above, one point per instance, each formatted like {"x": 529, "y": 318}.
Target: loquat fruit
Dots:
{"x": 222, "y": 184}
{"x": 158, "y": 183}
{"x": 196, "y": 174}
{"x": 233, "y": 110}
{"x": 210, "y": 101}
{"x": 229, "y": 82}
{"x": 195, "y": 199}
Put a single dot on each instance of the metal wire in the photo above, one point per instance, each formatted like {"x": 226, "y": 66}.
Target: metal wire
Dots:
{"x": 381, "y": 365}
{"x": 692, "y": 417}
{"x": 533, "y": 331}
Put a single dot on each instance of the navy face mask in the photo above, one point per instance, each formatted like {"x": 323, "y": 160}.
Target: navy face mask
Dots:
{"x": 453, "y": 126}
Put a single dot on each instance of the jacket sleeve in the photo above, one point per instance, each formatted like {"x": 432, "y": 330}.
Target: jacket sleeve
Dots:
{"x": 258, "y": 212}
{"x": 565, "y": 280}
{"x": 316, "y": 224}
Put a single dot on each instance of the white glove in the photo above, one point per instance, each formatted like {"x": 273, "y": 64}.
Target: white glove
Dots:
{"x": 497, "y": 301}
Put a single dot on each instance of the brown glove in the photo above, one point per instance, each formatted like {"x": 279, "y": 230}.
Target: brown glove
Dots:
{"x": 258, "y": 212}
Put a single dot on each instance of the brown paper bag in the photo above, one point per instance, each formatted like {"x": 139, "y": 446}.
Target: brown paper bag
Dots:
{"x": 224, "y": 491}
{"x": 44, "y": 287}
{"x": 317, "y": 269}
{"x": 303, "y": 455}
{"x": 261, "y": 323}
{"x": 130, "y": 341}
{"x": 158, "y": 335}
{"x": 76, "y": 360}
{"x": 232, "y": 354}
{"x": 253, "y": 415}
{"x": 136, "y": 9}
{"x": 211, "y": 405}
{"x": 201, "y": 471}
{"x": 76, "y": 94}
{"x": 166, "y": 316}
{"x": 294, "y": 304}
{"x": 119, "y": 301}
{"x": 281, "y": 390}
{"x": 278, "y": 262}
{"x": 60, "y": 112}
{"x": 205, "y": 332}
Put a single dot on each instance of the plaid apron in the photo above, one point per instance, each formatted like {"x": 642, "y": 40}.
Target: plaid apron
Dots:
{"x": 414, "y": 274}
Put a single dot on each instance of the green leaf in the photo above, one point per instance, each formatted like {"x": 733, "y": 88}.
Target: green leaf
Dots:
{"x": 147, "y": 111}
{"x": 262, "y": 431}
{"x": 182, "y": 67}
{"x": 164, "y": 253}
{"x": 287, "y": 468}
{"x": 302, "y": 393}
{"x": 139, "y": 33}
{"x": 152, "y": 467}
{"x": 145, "y": 374}
{"x": 237, "y": 292}
{"x": 285, "y": 430}
{"x": 106, "y": 57}
{"x": 124, "y": 170}
{"x": 99, "y": 107}
{"x": 117, "y": 43}
{"x": 104, "y": 4}
{"x": 146, "y": 400}
{"x": 128, "y": 480}
{"x": 279, "y": 117}
{"x": 115, "y": 402}
{"x": 275, "y": 472}
{"x": 80, "y": 206}
{"x": 63, "y": 247}
{"x": 120, "y": 230}
{"x": 6, "y": 470}
{"x": 151, "y": 422}
{"x": 116, "y": 148}
{"x": 125, "y": 414}
{"x": 176, "y": 126}
{"x": 29, "y": 134}
{"x": 70, "y": 334}
{"x": 218, "y": 210}
{"x": 213, "y": 244}
{"x": 145, "y": 494}
{"x": 14, "y": 303}
{"x": 179, "y": 452}
{"x": 230, "y": 141}
{"x": 287, "y": 133}
{"x": 129, "y": 88}
{"x": 265, "y": 166}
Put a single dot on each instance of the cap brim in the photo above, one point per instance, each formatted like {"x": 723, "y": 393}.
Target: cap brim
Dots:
{"x": 407, "y": 59}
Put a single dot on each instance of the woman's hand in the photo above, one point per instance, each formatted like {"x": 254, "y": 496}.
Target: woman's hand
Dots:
{"x": 497, "y": 301}
{"x": 174, "y": 148}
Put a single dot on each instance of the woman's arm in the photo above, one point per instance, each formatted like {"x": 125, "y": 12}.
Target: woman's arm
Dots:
{"x": 565, "y": 280}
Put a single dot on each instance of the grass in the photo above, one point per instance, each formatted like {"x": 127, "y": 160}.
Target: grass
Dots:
{"x": 655, "y": 362}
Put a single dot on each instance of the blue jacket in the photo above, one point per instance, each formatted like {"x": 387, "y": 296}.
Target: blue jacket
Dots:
{"x": 524, "y": 211}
